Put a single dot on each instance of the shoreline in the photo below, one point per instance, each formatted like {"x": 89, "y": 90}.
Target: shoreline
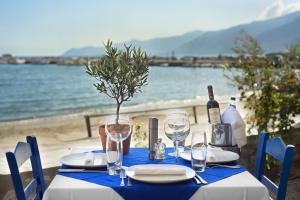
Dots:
{"x": 142, "y": 107}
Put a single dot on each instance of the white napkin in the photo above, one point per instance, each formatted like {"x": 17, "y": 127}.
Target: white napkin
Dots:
{"x": 89, "y": 158}
{"x": 233, "y": 117}
{"x": 142, "y": 170}
{"x": 210, "y": 156}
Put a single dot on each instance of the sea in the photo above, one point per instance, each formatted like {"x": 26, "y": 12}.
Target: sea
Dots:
{"x": 31, "y": 91}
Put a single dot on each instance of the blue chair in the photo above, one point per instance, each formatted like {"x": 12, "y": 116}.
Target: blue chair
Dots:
{"x": 276, "y": 148}
{"x": 15, "y": 159}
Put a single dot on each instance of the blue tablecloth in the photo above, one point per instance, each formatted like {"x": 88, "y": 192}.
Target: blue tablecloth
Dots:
{"x": 179, "y": 191}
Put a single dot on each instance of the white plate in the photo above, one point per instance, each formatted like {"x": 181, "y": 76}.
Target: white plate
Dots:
{"x": 77, "y": 160}
{"x": 221, "y": 156}
{"x": 161, "y": 178}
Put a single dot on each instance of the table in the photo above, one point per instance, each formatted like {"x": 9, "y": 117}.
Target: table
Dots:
{"x": 240, "y": 186}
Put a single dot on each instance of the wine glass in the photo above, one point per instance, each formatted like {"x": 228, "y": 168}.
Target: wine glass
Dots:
{"x": 177, "y": 128}
{"x": 118, "y": 130}
{"x": 178, "y": 113}
{"x": 113, "y": 157}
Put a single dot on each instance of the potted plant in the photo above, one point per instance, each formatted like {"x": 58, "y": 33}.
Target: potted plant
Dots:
{"x": 119, "y": 74}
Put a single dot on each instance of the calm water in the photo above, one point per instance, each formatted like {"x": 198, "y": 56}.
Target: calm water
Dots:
{"x": 41, "y": 90}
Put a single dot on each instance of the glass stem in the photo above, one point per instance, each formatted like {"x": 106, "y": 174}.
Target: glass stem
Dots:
{"x": 176, "y": 149}
{"x": 120, "y": 152}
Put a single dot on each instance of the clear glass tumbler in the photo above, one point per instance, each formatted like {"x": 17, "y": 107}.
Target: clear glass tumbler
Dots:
{"x": 198, "y": 151}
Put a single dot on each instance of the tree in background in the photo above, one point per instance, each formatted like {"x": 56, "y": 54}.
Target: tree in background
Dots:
{"x": 269, "y": 85}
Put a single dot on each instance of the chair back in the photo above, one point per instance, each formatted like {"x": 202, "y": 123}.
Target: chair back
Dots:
{"x": 23, "y": 152}
{"x": 276, "y": 148}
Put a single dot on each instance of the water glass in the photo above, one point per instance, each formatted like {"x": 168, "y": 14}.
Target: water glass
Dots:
{"x": 113, "y": 156}
{"x": 198, "y": 150}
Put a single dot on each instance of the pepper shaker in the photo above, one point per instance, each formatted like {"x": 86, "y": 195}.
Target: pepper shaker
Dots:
{"x": 153, "y": 136}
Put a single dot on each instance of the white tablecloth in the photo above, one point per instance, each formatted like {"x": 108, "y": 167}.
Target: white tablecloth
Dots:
{"x": 242, "y": 186}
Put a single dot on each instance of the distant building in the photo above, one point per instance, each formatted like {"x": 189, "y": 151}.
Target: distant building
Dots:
{"x": 7, "y": 55}
{"x": 20, "y": 60}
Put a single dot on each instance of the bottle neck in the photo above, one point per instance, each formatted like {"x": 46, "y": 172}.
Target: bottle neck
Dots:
{"x": 210, "y": 92}
{"x": 232, "y": 103}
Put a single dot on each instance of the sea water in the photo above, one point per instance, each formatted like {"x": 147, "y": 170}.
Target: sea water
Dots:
{"x": 28, "y": 91}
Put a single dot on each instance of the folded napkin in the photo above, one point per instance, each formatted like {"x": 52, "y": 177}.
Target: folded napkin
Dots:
{"x": 142, "y": 170}
{"x": 210, "y": 156}
{"x": 89, "y": 158}
{"x": 233, "y": 117}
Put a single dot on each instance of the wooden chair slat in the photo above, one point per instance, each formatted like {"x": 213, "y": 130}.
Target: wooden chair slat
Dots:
{"x": 36, "y": 197}
{"x": 30, "y": 187}
{"x": 269, "y": 184}
{"x": 22, "y": 153}
{"x": 276, "y": 148}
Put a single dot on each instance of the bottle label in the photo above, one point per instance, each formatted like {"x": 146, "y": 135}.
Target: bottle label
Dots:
{"x": 214, "y": 115}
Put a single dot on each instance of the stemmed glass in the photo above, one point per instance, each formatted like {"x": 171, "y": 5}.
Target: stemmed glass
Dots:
{"x": 178, "y": 113}
{"x": 118, "y": 131}
{"x": 177, "y": 128}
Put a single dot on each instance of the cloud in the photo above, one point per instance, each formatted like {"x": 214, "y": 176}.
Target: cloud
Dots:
{"x": 278, "y": 8}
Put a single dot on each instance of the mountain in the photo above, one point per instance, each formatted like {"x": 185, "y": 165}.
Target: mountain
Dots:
{"x": 164, "y": 46}
{"x": 85, "y": 51}
{"x": 276, "y": 39}
{"x": 273, "y": 34}
{"x": 157, "y": 46}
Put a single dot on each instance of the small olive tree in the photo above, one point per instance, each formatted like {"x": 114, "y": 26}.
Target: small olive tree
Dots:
{"x": 120, "y": 73}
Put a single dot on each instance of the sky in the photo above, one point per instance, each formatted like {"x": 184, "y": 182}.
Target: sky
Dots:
{"x": 51, "y": 27}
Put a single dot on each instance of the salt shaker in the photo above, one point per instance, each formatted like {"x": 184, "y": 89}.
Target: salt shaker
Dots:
{"x": 160, "y": 148}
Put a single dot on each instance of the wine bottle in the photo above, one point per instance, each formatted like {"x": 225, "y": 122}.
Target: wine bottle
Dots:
{"x": 213, "y": 108}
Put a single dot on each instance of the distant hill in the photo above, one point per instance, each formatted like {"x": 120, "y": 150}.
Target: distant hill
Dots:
{"x": 275, "y": 39}
{"x": 85, "y": 51}
{"x": 156, "y": 46}
{"x": 273, "y": 34}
